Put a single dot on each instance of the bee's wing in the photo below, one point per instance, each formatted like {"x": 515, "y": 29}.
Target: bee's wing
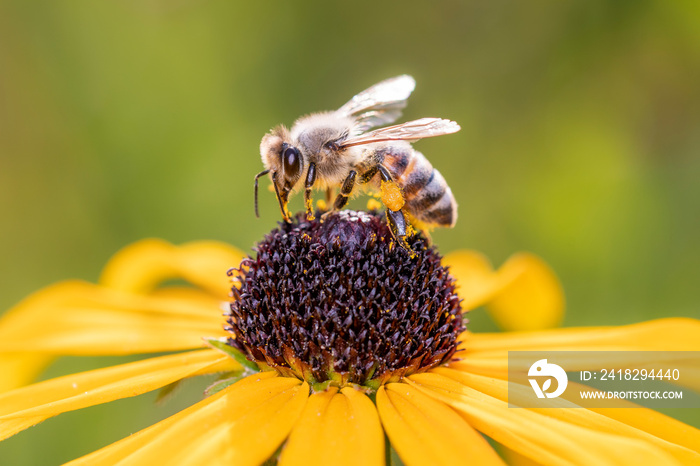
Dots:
{"x": 409, "y": 131}
{"x": 381, "y": 104}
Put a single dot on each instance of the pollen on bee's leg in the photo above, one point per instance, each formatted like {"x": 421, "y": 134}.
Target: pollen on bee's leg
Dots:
{"x": 310, "y": 209}
{"x": 391, "y": 195}
{"x": 400, "y": 229}
{"x": 339, "y": 303}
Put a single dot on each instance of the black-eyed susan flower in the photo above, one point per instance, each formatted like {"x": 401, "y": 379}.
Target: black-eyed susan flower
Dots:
{"x": 337, "y": 348}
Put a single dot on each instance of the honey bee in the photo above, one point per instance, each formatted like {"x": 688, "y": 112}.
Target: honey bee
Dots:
{"x": 335, "y": 149}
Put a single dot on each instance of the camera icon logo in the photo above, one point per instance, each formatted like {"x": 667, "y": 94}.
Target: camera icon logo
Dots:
{"x": 542, "y": 368}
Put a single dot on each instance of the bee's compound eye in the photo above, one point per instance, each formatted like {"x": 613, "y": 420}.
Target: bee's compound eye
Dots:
{"x": 292, "y": 162}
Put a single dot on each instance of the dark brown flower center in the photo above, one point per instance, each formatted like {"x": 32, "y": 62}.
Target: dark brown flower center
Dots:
{"x": 339, "y": 301}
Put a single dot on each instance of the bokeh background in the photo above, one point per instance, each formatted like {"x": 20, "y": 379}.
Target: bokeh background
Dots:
{"x": 121, "y": 120}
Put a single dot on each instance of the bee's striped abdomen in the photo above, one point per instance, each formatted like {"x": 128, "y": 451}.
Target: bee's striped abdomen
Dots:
{"x": 428, "y": 198}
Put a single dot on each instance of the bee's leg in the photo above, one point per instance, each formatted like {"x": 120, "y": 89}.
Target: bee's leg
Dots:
{"x": 393, "y": 199}
{"x": 399, "y": 228}
{"x": 369, "y": 174}
{"x": 323, "y": 204}
{"x": 282, "y": 197}
{"x": 391, "y": 194}
{"x": 308, "y": 201}
{"x": 344, "y": 193}
{"x": 262, "y": 173}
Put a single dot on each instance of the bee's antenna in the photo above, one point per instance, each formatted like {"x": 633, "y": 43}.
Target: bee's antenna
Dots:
{"x": 262, "y": 173}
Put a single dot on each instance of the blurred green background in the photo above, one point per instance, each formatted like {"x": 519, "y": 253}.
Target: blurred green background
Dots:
{"x": 121, "y": 120}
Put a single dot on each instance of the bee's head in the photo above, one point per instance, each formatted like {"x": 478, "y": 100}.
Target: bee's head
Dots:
{"x": 283, "y": 161}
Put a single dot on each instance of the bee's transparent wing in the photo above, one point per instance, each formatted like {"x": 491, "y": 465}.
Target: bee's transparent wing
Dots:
{"x": 409, "y": 131}
{"x": 381, "y": 104}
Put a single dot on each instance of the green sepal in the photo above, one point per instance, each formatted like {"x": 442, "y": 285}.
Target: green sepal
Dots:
{"x": 335, "y": 377}
{"x": 222, "y": 345}
{"x": 371, "y": 372}
{"x": 224, "y": 381}
{"x": 373, "y": 385}
{"x": 321, "y": 386}
{"x": 264, "y": 367}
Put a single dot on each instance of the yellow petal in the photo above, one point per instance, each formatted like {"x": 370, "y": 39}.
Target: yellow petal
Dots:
{"x": 545, "y": 439}
{"x": 487, "y": 353}
{"x": 19, "y": 369}
{"x": 79, "y": 318}
{"x": 425, "y": 431}
{"x": 524, "y": 294}
{"x": 338, "y": 429}
{"x": 656, "y": 424}
{"x": 121, "y": 450}
{"x": 27, "y": 406}
{"x": 531, "y": 296}
{"x": 475, "y": 278}
{"x": 671, "y": 334}
{"x": 140, "y": 267}
{"x": 667, "y": 434}
{"x": 243, "y": 425}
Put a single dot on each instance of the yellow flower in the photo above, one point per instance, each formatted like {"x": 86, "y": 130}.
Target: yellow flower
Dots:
{"x": 437, "y": 414}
